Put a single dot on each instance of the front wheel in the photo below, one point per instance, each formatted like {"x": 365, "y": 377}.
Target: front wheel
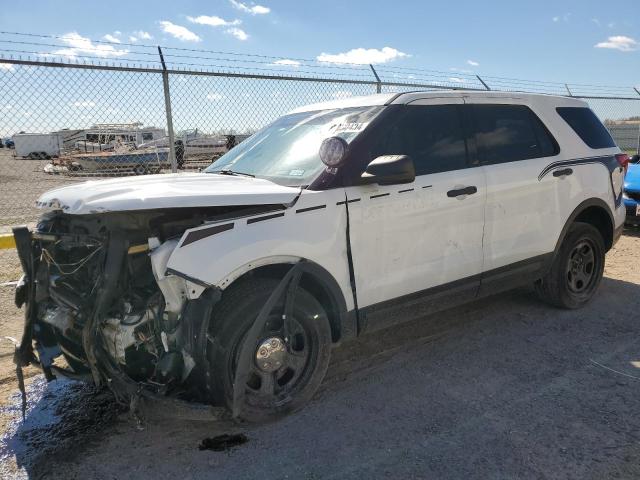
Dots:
{"x": 577, "y": 269}
{"x": 290, "y": 357}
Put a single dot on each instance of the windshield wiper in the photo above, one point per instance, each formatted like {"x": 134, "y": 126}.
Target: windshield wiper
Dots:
{"x": 234, "y": 173}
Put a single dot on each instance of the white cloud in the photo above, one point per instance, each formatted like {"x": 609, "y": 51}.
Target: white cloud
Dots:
{"x": 363, "y": 56}
{"x": 460, "y": 70}
{"x": 111, "y": 38}
{"x": 596, "y": 21}
{"x": 179, "y": 32}
{"x": 237, "y": 32}
{"x": 83, "y": 104}
{"x": 214, "y": 97}
{"x": 77, "y": 45}
{"x": 253, "y": 9}
{"x": 457, "y": 80}
{"x": 473, "y": 63}
{"x": 6, "y": 66}
{"x": 133, "y": 39}
{"x": 143, "y": 35}
{"x": 619, "y": 42}
{"x": 565, "y": 18}
{"x": 286, "y": 62}
{"x": 212, "y": 21}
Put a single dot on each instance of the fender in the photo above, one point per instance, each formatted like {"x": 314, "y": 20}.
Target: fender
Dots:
{"x": 591, "y": 202}
{"x": 218, "y": 253}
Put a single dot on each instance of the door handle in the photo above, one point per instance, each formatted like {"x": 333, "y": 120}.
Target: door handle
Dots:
{"x": 462, "y": 191}
{"x": 562, "y": 173}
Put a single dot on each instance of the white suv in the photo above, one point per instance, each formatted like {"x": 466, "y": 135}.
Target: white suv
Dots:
{"x": 230, "y": 286}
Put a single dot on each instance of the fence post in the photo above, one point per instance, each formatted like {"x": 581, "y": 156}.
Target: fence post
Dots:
{"x": 167, "y": 108}
{"x": 482, "y": 82}
{"x": 568, "y": 91}
{"x": 378, "y": 82}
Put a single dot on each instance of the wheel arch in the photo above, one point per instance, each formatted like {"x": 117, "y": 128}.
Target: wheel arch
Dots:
{"x": 316, "y": 280}
{"x": 593, "y": 211}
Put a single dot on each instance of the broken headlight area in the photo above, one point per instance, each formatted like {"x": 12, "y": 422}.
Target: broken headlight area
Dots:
{"x": 98, "y": 295}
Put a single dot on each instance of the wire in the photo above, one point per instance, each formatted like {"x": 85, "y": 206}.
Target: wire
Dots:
{"x": 425, "y": 75}
{"x": 79, "y": 264}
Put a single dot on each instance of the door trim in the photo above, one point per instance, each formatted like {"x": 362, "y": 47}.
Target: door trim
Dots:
{"x": 458, "y": 292}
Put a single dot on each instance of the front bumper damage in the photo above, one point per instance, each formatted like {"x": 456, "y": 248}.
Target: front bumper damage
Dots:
{"x": 142, "y": 336}
{"x": 148, "y": 347}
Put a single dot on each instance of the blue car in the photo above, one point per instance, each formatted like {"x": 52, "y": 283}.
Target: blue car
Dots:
{"x": 632, "y": 191}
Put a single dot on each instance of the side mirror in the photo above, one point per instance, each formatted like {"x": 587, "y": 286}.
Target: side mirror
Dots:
{"x": 635, "y": 159}
{"x": 390, "y": 170}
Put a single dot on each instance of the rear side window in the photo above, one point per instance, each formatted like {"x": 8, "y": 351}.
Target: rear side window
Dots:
{"x": 508, "y": 133}
{"x": 588, "y": 127}
{"x": 431, "y": 135}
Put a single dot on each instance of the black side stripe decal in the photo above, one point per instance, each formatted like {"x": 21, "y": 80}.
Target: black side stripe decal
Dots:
{"x": 266, "y": 217}
{"x": 609, "y": 161}
{"x": 605, "y": 160}
{"x": 308, "y": 209}
{"x": 205, "y": 232}
{"x": 348, "y": 201}
{"x": 379, "y": 195}
{"x": 407, "y": 190}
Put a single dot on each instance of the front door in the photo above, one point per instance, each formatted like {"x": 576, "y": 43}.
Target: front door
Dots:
{"x": 413, "y": 244}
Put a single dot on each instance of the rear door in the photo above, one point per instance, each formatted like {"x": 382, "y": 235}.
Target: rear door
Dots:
{"x": 524, "y": 212}
{"x": 415, "y": 244}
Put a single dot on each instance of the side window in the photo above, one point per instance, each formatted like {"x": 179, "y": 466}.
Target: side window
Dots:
{"x": 431, "y": 135}
{"x": 588, "y": 127}
{"x": 508, "y": 133}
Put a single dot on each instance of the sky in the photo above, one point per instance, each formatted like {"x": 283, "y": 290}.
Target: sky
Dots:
{"x": 576, "y": 42}
{"x": 567, "y": 41}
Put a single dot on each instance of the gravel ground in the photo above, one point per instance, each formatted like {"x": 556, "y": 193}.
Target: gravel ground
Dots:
{"x": 502, "y": 388}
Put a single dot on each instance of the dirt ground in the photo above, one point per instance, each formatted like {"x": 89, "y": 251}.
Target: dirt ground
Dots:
{"x": 502, "y": 388}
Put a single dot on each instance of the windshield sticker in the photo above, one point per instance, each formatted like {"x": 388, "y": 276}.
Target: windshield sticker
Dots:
{"x": 296, "y": 173}
{"x": 352, "y": 127}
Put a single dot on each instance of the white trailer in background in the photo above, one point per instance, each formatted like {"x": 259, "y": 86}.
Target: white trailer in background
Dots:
{"x": 37, "y": 145}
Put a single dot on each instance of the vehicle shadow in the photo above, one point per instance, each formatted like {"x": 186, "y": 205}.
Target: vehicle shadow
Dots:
{"x": 632, "y": 231}
{"x": 504, "y": 387}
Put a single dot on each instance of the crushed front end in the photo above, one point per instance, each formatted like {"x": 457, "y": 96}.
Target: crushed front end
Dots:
{"x": 100, "y": 306}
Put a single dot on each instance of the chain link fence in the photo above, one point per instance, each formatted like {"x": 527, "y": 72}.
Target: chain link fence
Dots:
{"x": 62, "y": 123}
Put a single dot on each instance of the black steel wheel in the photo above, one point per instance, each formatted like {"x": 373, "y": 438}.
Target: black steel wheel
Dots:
{"x": 577, "y": 269}
{"x": 290, "y": 355}
{"x": 581, "y": 266}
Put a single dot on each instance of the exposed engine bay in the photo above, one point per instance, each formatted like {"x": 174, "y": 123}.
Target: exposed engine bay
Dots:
{"x": 97, "y": 294}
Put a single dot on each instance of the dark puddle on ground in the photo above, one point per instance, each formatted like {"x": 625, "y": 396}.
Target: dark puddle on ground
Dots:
{"x": 58, "y": 414}
{"x": 222, "y": 443}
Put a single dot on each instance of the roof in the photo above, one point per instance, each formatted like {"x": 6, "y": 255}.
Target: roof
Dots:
{"x": 408, "y": 97}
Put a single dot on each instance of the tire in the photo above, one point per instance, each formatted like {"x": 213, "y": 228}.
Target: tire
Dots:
{"x": 268, "y": 395}
{"x": 577, "y": 269}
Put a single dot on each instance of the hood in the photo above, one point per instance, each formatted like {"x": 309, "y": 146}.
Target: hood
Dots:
{"x": 632, "y": 179}
{"x": 179, "y": 190}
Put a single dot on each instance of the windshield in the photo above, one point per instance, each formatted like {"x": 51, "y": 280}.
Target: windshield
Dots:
{"x": 286, "y": 152}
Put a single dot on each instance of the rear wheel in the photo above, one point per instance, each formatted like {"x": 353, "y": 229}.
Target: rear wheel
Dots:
{"x": 577, "y": 269}
{"x": 290, "y": 358}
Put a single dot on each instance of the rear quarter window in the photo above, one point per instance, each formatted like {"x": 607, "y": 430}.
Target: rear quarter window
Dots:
{"x": 587, "y": 125}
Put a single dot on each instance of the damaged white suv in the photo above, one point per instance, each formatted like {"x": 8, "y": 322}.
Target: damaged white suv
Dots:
{"x": 231, "y": 286}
